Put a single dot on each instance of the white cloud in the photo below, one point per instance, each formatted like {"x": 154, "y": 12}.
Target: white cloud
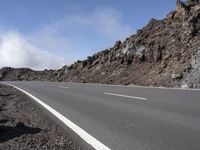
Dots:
{"x": 15, "y": 51}
{"x": 105, "y": 20}
{"x": 50, "y": 40}
{"x": 67, "y": 35}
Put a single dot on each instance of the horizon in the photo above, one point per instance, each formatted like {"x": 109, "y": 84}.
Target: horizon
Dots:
{"x": 40, "y": 36}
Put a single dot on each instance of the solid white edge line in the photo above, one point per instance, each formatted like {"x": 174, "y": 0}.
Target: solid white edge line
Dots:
{"x": 83, "y": 134}
{"x": 133, "y": 97}
{"x": 63, "y": 87}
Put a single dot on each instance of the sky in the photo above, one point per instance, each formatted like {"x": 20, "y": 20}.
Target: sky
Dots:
{"x": 47, "y": 34}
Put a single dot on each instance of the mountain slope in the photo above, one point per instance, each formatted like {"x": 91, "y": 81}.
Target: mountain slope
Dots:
{"x": 159, "y": 54}
{"x": 164, "y": 53}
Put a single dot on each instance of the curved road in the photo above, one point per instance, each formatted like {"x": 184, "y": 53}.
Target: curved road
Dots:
{"x": 127, "y": 118}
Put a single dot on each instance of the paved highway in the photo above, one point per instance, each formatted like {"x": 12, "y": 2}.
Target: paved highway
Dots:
{"x": 127, "y": 118}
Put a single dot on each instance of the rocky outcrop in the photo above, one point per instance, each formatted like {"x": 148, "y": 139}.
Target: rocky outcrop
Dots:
{"x": 20, "y": 74}
{"x": 163, "y": 53}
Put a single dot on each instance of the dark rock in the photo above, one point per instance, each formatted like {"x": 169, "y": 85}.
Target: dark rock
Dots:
{"x": 117, "y": 45}
{"x": 177, "y": 76}
{"x": 193, "y": 2}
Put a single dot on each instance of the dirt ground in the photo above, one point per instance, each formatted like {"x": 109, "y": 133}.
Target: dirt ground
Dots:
{"x": 25, "y": 126}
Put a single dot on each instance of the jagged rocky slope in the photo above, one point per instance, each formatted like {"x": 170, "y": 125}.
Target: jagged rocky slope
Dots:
{"x": 164, "y": 53}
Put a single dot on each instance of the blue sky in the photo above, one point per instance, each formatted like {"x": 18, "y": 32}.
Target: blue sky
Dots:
{"x": 62, "y": 31}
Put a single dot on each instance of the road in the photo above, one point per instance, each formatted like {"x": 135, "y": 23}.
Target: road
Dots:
{"x": 126, "y": 118}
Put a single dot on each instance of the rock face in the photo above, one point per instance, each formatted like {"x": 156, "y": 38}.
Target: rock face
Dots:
{"x": 20, "y": 74}
{"x": 163, "y": 53}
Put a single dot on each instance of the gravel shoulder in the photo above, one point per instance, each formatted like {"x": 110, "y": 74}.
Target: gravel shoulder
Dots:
{"x": 25, "y": 125}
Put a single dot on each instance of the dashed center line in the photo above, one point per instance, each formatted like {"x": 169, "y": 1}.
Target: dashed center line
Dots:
{"x": 63, "y": 87}
{"x": 127, "y": 96}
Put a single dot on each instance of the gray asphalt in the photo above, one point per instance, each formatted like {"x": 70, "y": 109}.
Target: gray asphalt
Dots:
{"x": 169, "y": 119}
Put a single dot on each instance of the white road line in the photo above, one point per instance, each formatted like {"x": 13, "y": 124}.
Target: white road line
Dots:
{"x": 133, "y": 97}
{"x": 63, "y": 87}
{"x": 83, "y": 134}
{"x": 137, "y": 86}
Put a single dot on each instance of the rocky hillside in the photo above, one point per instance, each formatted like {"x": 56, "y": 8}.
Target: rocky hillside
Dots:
{"x": 20, "y": 74}
{"x": 164, "y": 53}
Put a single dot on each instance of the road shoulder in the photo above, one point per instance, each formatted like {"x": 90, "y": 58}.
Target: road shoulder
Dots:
{"x": 24, "y": 124}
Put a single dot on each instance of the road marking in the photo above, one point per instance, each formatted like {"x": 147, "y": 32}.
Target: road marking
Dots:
{"x": 133, "y": 97}
{"x": 83, "y": 134}
{"x": 127, "y": 86}
{"x": 137, "y": 86}
{"x": 63, "y": 87}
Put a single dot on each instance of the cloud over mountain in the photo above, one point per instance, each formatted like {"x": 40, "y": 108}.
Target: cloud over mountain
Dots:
{"x": 16, "y": 51}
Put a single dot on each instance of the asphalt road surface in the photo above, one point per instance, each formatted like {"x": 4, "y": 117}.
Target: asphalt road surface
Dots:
{"x": 127, "y": 118}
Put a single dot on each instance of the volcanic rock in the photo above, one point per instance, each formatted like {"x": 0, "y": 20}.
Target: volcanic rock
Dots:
{"x": 163, "y": 53}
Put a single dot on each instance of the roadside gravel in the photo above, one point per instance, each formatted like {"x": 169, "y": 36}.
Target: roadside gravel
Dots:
{"x": 25, "y": 126}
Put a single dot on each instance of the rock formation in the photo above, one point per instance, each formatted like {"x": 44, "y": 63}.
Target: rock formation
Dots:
{"x": 163, "y": 53}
